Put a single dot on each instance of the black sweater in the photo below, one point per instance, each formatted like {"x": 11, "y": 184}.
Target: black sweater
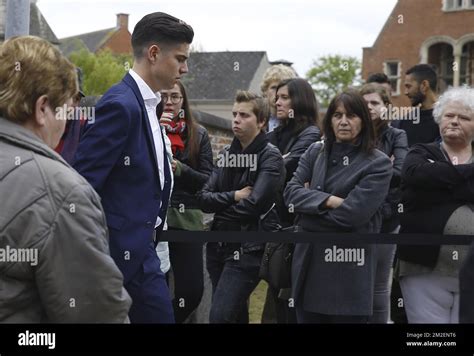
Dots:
{"x": 432, "y": 189}
{"x": 424, "y": 131}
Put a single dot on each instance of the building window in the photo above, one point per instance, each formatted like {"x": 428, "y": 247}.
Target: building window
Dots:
{"x": 457, "y": 5}
{"x": 393, "y": 71}
{"x": 467, "y": 64}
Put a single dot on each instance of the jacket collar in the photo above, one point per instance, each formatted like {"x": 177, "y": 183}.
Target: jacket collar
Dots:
{"x": 342, "y": 148}
{"x": 259, "y": 142}
{"x": 149, "y": 97}
{"x": 22, "y": 137}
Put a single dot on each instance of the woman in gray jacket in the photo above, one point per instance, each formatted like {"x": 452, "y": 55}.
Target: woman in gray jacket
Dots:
{"x": 339, "y": 186}
{"x": 54, "y": 253}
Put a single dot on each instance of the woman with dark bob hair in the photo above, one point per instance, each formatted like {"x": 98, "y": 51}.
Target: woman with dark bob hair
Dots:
{"x": 297, "y": 111}
{"x": 339, "y": 186}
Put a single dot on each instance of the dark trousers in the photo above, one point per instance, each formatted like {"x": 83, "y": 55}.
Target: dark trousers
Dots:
{"x": 188, "y": 277}
{"x": 305, "y": 317}
{"x": 233, "y": 280}
{"x": 151, "y": 302}
{"x": 381, "y": 308}
{"x": 397, "y": 306}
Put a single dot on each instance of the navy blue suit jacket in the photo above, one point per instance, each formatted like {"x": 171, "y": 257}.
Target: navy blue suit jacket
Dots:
{"x": 117, "y": 156}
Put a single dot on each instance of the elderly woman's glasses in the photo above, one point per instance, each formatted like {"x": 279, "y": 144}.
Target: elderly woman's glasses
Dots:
{"x": 175, "y": 98}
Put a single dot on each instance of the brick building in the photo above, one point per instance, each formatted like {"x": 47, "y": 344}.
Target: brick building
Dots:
{"x": 439, "y": 32}
{"x": 117, "y": 39}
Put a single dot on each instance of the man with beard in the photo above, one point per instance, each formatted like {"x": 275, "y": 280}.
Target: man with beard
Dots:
{"x": 420, "y": 87}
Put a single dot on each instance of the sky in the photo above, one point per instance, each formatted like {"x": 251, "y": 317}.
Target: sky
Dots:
{"x": 299, "y": 31}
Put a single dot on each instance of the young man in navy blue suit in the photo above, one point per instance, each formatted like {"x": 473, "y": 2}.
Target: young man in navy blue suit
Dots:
{"x": 123, "y": 156}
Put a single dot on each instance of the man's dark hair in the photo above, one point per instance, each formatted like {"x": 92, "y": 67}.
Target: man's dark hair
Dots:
{"x": 380, "y": 78}
{"x": 162, "y": 29}
{"x": 422, "y": 72}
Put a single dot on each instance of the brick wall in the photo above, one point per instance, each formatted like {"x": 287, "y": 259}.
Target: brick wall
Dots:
{"x": 120, "y": 42}
{"x": 409, "y": 25}
{"x": 219, "y": 138}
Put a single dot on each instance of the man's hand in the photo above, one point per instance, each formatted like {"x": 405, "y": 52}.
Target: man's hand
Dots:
{"x": 173, "y": 165}
{"x": 242, "y": 193}
{"x": 333, "y": 202}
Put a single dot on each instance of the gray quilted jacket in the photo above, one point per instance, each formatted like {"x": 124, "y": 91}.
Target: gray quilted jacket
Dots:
{"x": 55, "y": 264}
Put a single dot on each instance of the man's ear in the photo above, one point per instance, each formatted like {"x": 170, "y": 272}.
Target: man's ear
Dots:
{"x": 40, "y": 110}
{"x": 424, "y": 86}
{"x": 153, "y": 51}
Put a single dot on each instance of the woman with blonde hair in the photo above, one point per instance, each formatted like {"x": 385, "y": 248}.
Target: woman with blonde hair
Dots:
{"x": 47, "y": 208}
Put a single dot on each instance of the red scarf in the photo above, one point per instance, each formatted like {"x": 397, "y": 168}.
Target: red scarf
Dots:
{"x": 174, "y": 130}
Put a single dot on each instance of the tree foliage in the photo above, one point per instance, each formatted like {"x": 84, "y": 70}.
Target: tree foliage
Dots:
{"x": 101, "y": 70}
{"x": 332, "y": 74}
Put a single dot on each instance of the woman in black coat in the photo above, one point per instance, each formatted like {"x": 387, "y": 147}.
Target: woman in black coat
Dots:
{"x": 339, "y": 186}
{"x": 438, "y": 198}
{"x": 297, "y": 110}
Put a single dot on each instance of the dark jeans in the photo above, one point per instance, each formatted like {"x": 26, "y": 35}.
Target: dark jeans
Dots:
{"x": 233, "y": 280}
{"x": 188, "y": 277}
{"x": 305, "y": 317}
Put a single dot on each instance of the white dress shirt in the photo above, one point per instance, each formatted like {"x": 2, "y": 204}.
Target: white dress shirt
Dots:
{"x": 152, "y": 100}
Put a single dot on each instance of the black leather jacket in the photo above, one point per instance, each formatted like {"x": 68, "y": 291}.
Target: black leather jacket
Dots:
{"x": 266, "y": 181}
{"x": 192, "y": 180}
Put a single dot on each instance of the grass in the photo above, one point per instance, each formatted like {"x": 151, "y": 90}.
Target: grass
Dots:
{"x": 257, "y": 300}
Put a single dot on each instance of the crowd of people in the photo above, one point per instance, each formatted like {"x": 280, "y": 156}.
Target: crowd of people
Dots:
{"x": 93, "y": 197}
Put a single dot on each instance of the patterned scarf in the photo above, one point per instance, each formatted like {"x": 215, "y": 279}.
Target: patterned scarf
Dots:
{"x": 174, "y": 131}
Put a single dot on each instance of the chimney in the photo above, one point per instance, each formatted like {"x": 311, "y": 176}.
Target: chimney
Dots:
{"x": 122, "y": 21}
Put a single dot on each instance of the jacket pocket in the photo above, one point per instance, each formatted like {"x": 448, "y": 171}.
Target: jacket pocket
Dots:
{"x": 114, "y": 221}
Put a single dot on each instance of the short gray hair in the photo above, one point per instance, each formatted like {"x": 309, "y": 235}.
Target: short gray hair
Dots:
{"x": 463, "y": 95}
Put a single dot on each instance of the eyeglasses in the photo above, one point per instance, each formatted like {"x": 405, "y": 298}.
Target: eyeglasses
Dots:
{"x": 175, "y": 98}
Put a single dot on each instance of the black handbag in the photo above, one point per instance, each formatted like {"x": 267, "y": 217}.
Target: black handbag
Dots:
{"x": 275, "y": 268}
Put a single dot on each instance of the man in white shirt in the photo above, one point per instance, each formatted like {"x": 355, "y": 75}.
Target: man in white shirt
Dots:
{"x": 123, "y": 156}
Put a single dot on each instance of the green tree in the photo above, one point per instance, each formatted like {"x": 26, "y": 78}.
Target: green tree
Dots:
{"x": 331, "y": 74}
{"x": 101, "y": 70}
